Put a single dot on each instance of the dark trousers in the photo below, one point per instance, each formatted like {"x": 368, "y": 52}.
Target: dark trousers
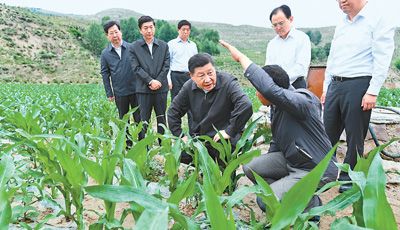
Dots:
{"x": 343, "y": 111}
{"x": 124, "y": 103}
{"x": 148, "y": 101}
{"x": 178, "y": 79}
{"x": 300, "y": 83}
{"x": 273, "y": 168}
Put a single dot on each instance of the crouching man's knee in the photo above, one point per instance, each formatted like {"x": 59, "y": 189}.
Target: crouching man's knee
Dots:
{"x": 248, "y": 172}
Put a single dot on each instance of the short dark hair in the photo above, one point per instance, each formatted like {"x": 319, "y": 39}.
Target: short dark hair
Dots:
{"x": 145, "y": 19}
{"x": 284, "y": 8}
{"x": 199, "y": 60}
{"x": 110, "y": 24}
{"x": 184, "y": 23}
{"x": 278, "y": 75}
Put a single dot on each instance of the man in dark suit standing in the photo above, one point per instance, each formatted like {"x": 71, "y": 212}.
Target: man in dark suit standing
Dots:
{"x": 150, "y": 63}
{"x": 118, "y": 77}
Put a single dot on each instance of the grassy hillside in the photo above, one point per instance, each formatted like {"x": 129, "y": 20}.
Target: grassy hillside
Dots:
{"x": 40, "y": 46}
{"x": 37, "y": 48}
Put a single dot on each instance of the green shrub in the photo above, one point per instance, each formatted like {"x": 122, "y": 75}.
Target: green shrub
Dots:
{"x": 44, "y": 54}
{"x": 94, "y": 39}
{"x": 397, "y": 63}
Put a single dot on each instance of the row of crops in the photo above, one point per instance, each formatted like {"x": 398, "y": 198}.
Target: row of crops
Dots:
{"x": 65, "y": 141}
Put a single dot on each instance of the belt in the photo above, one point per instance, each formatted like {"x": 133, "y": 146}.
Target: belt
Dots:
{"x": 340, "y": 78}
{"x": 300, "y": 78}
{"x": 180, "y": 72}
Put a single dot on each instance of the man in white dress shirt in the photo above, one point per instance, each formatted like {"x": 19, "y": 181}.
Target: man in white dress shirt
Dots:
{"x": 181, "y": 49}
{"x": 357, "y": 66}
{"x": 290, "y": 48}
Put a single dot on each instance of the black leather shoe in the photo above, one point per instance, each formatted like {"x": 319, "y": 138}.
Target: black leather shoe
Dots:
{"x": 345, "y": 187}
{"x": 260, "y": 203}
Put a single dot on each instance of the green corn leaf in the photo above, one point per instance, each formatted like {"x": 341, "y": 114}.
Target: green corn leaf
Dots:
{"x": 268, "y": 196}
{"x": 234, "y": 164}
{"x": 378, "y": 214}
{"x": 125, "y": 193}
{"x": 132, "y": 174}
{"x": 208, "y": 166}
{"x": 184, "y": 190}
{"x": 238, "y": 195}
{"x": 183, "y": 221}
{"x": 171, "y": 169}
{"x": 138, "y": 152}
{"x": 339, "y": 203}
{"x": 7, "y": 169}
{"x": 246, "y": 135}
{"x": 120, "y": 141}
{"x": 153, "y": 220}
{"x": 291, "y": 205}
{"x": 218, "y": 146}
{"x": 214, "y": 209}
{"x": 73, "y": 168}
{"x": 93, "y": 169}
{"x": 345, "y": 223}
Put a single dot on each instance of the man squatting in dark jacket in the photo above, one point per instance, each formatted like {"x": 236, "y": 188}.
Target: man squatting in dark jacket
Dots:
{"x": 215, "y": 99}
{"x": 299, "y": 141}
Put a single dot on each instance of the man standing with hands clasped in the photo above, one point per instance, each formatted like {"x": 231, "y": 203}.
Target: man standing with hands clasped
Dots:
{"x": 150, "y": 63}
{"x": 357, "y": 66}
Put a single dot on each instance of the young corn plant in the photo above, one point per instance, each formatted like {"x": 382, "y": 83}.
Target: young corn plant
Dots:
{"x": 58, "y": 159}
{"x": 371, "y": 209}
{"x": 6, "y": 172}
{"x": 222, "y": 176}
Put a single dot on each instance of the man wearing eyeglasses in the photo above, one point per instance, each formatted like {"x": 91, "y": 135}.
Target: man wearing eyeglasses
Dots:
{"x": 290, "y": 48}
{"x": 118, "y": 77}
{"x": 357, "y": 66}
{"x": 216, "y": 102}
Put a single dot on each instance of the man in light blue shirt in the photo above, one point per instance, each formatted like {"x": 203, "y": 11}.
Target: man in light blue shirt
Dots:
{"x": 181, "y": 49}
{"x": 357, "y": 66}
{"x": 290, "y": 48}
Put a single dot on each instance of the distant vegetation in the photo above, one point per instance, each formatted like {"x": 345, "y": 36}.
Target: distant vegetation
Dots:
{"x": 95, "y": 41}
{"x": 319, "y": 52}
{"x": 48, "y": 47}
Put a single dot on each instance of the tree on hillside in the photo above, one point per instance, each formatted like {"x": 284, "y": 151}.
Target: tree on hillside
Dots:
{"x": 210, "y": 34}
{"x": 315, "y": 36}
{"x": 105, "y": 19}
{"x": 327, "y": 48}
{"x": 207, "y": 46}
{"x": 130, "y": 30}
{"x": 94, "y": 39}
{"x": 165, "y": 31}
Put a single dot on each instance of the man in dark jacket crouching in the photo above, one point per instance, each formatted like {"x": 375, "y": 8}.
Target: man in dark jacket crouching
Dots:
{"x": 216, "y": 102}
{"x": 299, "y": 141}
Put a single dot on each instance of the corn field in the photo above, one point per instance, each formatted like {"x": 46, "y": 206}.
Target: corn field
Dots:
{"x": 62, "y": 143}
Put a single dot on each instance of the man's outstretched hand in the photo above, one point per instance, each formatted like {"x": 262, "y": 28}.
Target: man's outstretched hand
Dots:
{"x": 236, "y": 54}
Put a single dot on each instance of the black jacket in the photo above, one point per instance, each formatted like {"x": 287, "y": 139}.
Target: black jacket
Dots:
{"x": 148, "y": 67}
{"x": 297, "y": 128}
{"x": 226, "y": 107}
{"x": 117, "y": 71}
